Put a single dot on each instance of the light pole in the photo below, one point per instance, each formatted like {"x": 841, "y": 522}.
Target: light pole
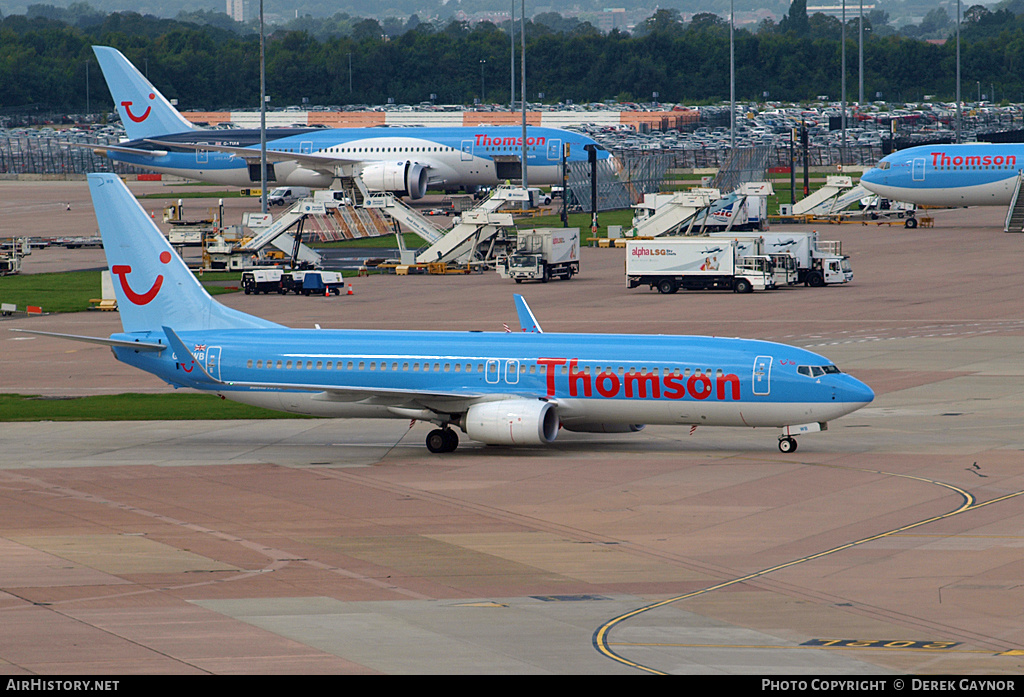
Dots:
{"x": 512, "y": 65}
{"x": 959, "y": 112}
{"x": 522, "y": 89}
{"x": 483, "y": 93}
{"x": 732, "y": 77}
{"x": 842, "y": 148}
{"x": 263, "y": 115}
{"x": 860, "y": 51}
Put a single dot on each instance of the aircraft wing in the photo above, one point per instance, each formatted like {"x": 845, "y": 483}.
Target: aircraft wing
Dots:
{"x": 310, "y": 160}
{"x": 391, "y": 397}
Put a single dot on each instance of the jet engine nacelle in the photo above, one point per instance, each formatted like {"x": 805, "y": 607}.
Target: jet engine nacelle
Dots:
{"x": 512, "y": 422}
{"x": 592, "y": 427}
{"x": 406, "y": 178}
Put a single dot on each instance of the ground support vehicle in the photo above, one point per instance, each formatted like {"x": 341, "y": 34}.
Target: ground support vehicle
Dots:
{"x": 543, "y": 254}
{"x": 696, "y": 263}
{"x": 322, "y": 283}
{"x": 261, "y": 281}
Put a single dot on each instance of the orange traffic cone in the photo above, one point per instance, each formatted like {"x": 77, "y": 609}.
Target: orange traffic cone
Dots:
{"x": 349, "y": 289}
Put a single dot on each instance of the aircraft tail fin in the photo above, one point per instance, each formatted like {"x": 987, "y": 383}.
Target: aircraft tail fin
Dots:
{"x": 144, "y": 112}
{"x": 153, "y": 285}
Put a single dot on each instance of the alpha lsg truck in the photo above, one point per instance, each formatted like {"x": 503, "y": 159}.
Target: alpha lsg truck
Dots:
{"x": 696, "y": 263}
{"x": 817, "y": 262}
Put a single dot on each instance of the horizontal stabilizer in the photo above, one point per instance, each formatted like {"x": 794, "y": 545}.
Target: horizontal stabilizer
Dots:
{"x": 104, "y": 149}
{"x": 121, "y": 343}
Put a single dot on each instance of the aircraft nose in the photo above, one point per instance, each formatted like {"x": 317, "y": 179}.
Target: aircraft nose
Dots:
{"x": 854, "y": 392}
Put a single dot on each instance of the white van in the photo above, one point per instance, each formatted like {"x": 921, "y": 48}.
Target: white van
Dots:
{"x": 284, "y": 195}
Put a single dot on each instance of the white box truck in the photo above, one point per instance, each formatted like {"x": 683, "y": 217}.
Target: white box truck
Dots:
{"x": 818, "y": 262}
{"x": 543, "y": 254}
{"x": 696, "y": 263}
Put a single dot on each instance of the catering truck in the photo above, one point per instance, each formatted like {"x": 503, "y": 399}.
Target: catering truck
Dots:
{"x": 818, "y": 262}
{"x": 696, "y": 263}
{"x": 543, "y": 254}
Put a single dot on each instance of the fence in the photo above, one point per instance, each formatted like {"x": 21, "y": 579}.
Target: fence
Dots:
{"x": 46, "y": 154}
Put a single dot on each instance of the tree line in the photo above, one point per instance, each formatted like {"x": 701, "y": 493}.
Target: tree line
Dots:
{"x": 47, "y": 63}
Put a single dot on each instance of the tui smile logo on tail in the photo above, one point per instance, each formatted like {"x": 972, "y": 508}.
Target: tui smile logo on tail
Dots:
{"x": 137, "y": 119}
{"x": 122, "y": 271}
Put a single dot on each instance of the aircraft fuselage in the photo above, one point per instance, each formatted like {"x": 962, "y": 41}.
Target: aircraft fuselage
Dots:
{"x": 593, "y": 378}
{"x": 975, "y": 174}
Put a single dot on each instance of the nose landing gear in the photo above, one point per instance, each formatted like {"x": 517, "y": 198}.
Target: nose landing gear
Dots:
{"x": 787, "y": 444}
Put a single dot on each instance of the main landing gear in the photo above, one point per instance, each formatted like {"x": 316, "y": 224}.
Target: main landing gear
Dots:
{"x": 442, "y": 440}
{"x": 787, "y": 444}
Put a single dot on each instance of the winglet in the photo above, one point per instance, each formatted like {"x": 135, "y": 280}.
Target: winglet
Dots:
{"x": 527, "y": 322}
{"x": 184, "y": 358}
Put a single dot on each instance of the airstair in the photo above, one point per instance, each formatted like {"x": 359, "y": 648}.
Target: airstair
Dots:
{"x": 472, "y": 228}
{"x": 667, "y": 214}
{"x": 393, "y": 207}
{"x": 1015, "y": 211}
{"x": 275, "y": 234}
{"x": 330, "y": 215}
{"x": 475, "y": 227}
{"x": 696, "y": 210}
{"x": 822, "y": 201}
{"x": 847, "y": 198}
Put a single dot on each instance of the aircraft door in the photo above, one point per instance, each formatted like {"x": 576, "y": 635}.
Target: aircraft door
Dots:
{"x": 555, "y": 150}
{"x": 467, "y": 150}
{"x": 919, "y": 169}
{"x": 492, "y": 372}
{"x": 512, "y": 372}
{"x": 762, "y": 375}
{"x": 202, "y": 156}
{"x": 213, "y": 361}
{"x": 306, "y": 147}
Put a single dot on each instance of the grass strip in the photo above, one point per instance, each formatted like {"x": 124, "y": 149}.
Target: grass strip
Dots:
{"x": 66, "y": 292}
{"x": 177, "y": 406}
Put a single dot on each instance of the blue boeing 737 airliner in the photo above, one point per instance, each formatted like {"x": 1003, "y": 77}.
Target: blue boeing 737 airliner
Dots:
{"x": 973, "y": 174}
{"x": 498, "y": 388}
{"x": 405, "y": 161}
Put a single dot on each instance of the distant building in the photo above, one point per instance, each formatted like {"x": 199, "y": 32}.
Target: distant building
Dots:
{"x": 239, "y": 10}
{"x": 612, "y": 18}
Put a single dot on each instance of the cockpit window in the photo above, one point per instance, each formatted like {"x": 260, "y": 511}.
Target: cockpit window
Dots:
{"x": 815, "y": 371}
{"x": 884, "y": 165}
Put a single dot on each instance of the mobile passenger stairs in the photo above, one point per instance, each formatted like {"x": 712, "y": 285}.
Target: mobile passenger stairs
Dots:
{"x": 830, "y": 203}
{"x": 326, "y": 216}
{"x": 477, "y": 238}
{"x": 702, "y": 209}
{"x": 1015, "y": 211}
